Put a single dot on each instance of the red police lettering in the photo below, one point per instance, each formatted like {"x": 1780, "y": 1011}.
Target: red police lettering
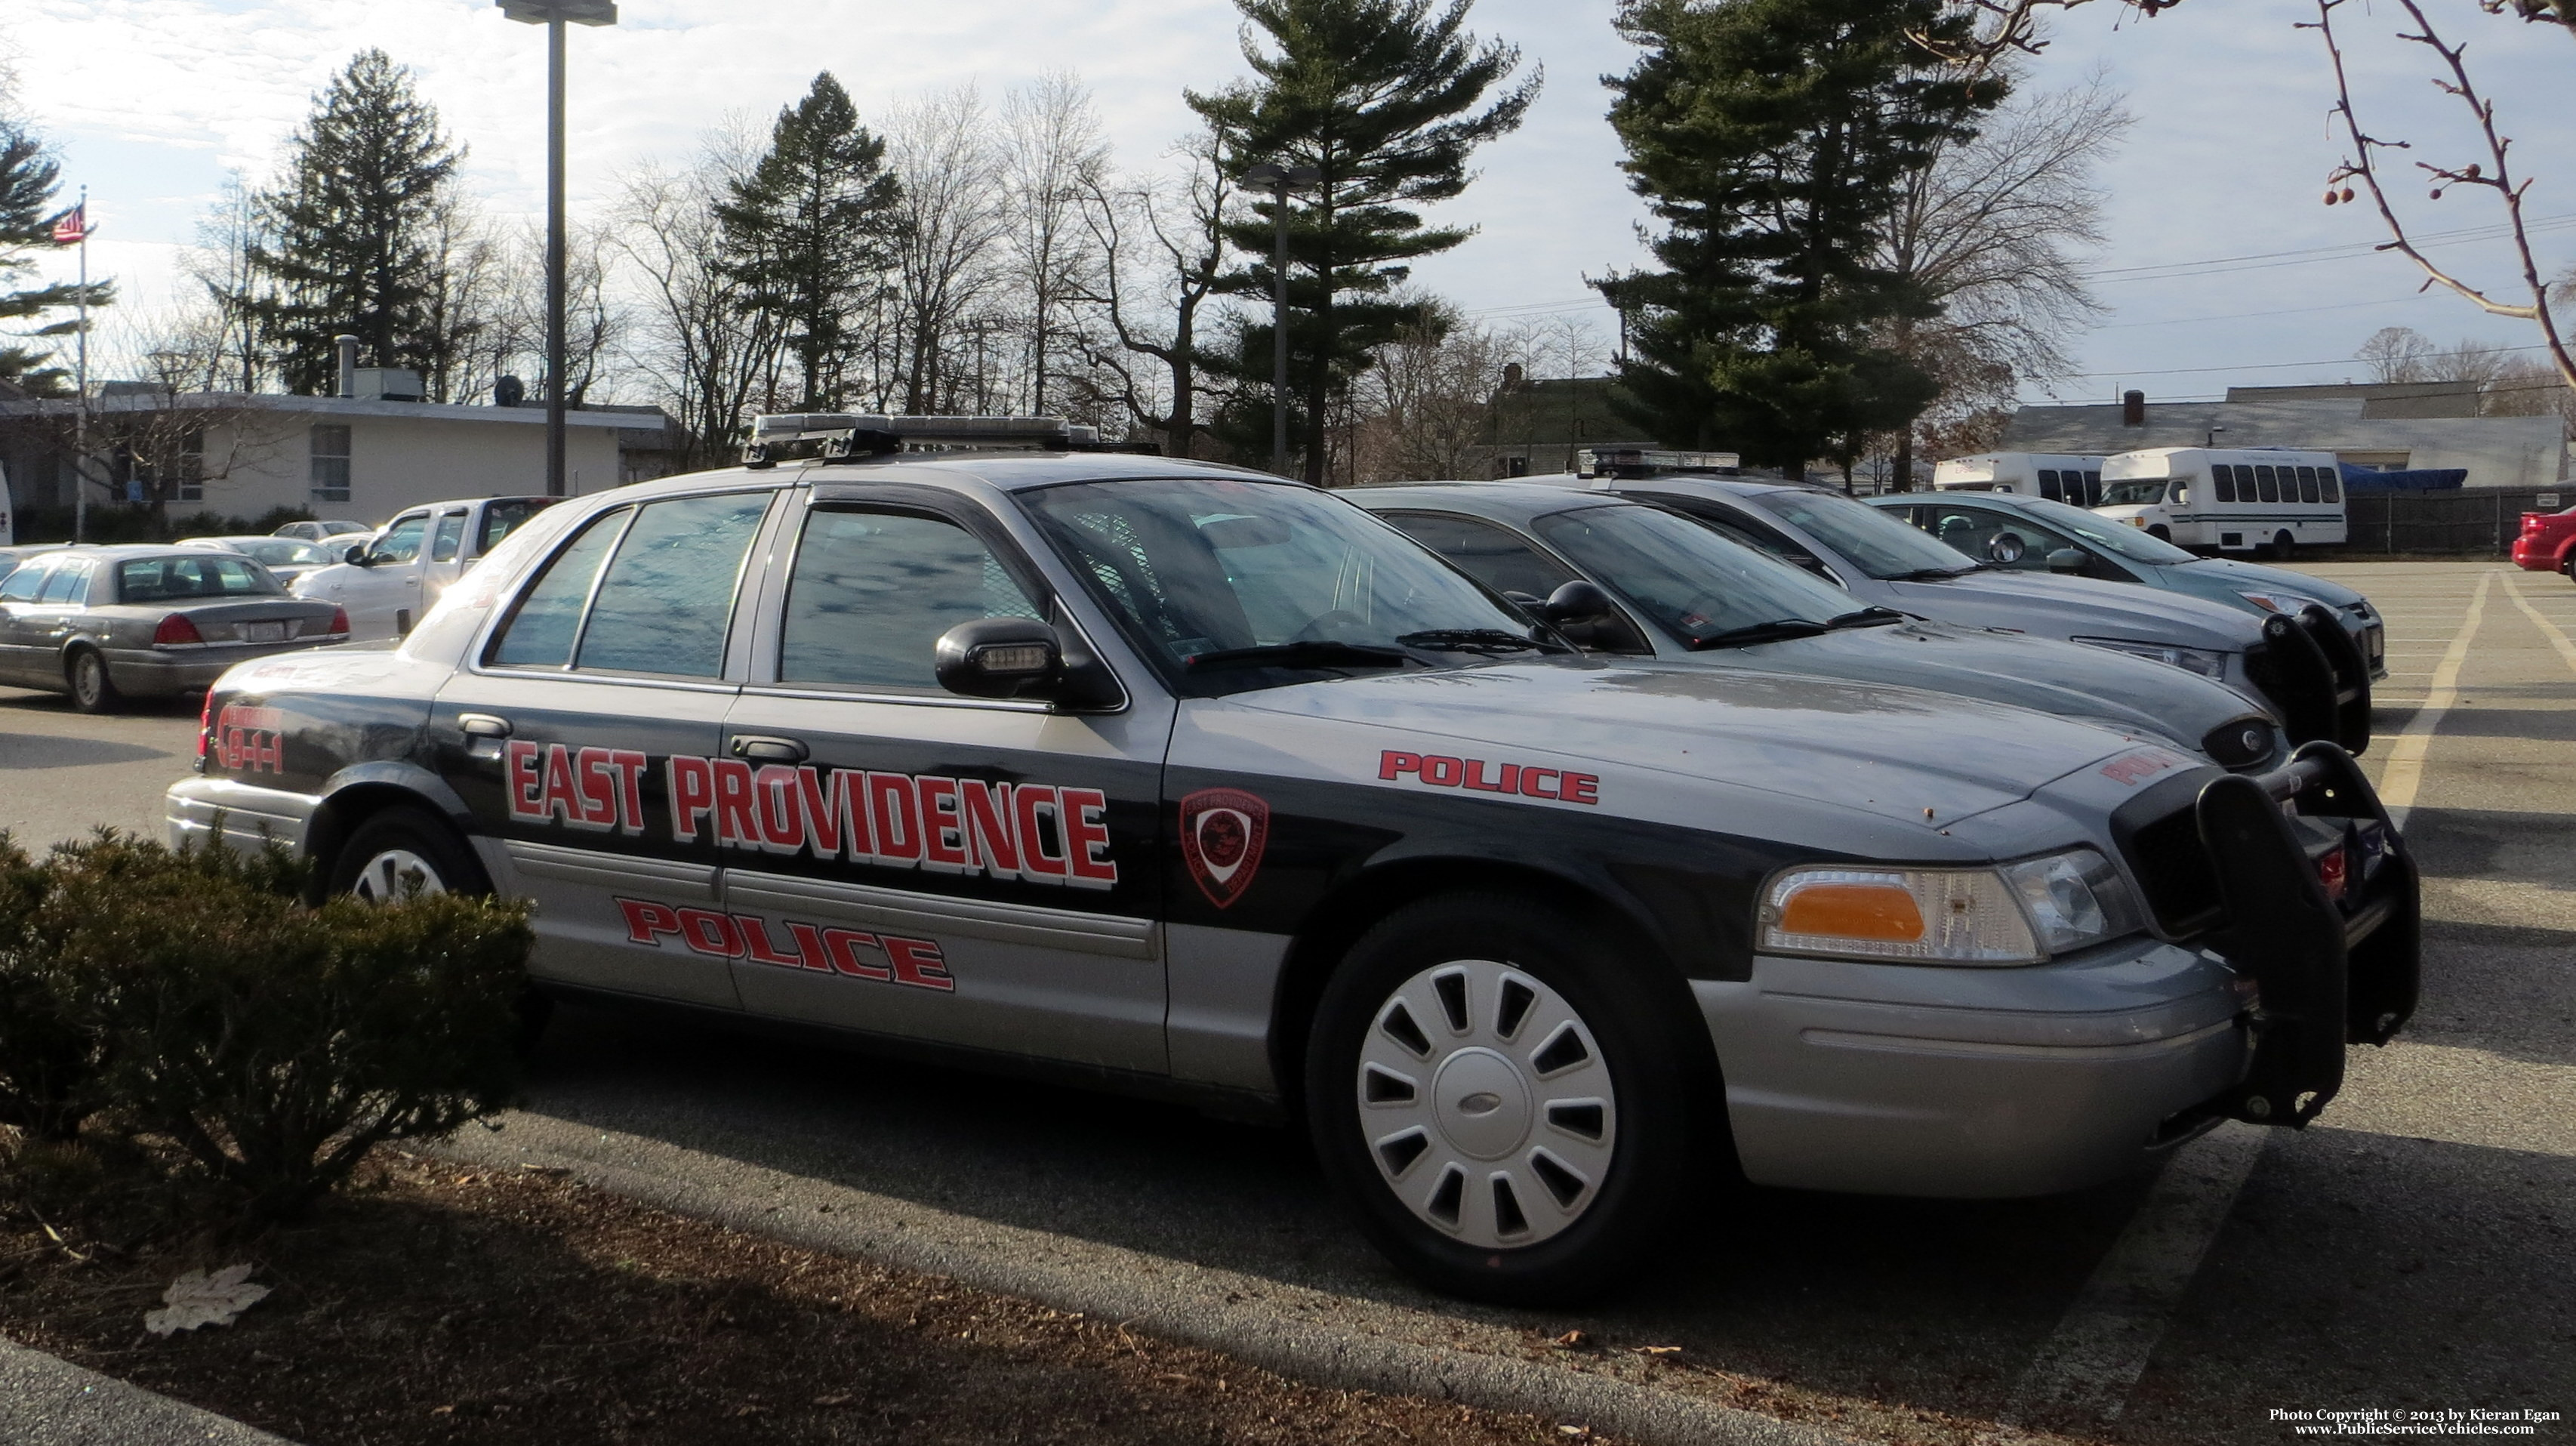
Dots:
{"x": 1523, "y": 780}
{"x": 648, "y": 922}
{"x": 1391, "y": 763}
{"x": 919, "y": 963}
{"x": 1086, "y": 839}
{"x": 737, "y": 820}
{"x": 842, "y": 947}
{"x": 693, "y": 795}
{"x": 754, "y": 932}
{"x": 596, "y": 776}
{"x": 988, "y": 827}
{"x": 779, "y": 800}
{"x": 526, "y": 796}
{"x": 709, "y": 932}
{"x": 943, "y": 827}
{"x": 1034, "y": 807}
{"x": 630, "y": 788}
{"x": 895, "y": 809}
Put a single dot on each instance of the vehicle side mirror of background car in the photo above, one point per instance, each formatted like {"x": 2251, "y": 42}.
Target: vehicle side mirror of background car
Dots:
{"x": 1577, "y": 602}
{"x": 2006, "y": 548}
{"x": 2066, "y": 559}
{"x": 355, "y": 556}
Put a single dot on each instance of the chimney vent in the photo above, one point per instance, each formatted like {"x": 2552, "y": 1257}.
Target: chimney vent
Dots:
{"x": 348, "y": 364}
{"x": 2133, "y": 409}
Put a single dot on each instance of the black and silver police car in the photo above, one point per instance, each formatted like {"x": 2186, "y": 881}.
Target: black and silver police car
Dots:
{"x": 1195, "y": 781}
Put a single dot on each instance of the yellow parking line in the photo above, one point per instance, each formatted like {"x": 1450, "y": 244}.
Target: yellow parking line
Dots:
{"x": 2566, "y": 649}
{"x": 2404, "y": 773}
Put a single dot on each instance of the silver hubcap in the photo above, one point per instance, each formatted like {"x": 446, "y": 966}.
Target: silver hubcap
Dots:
{"x": 397, "y": 874}
{"x": 90, "y": 676}
{"x": 1487, "y": 1105}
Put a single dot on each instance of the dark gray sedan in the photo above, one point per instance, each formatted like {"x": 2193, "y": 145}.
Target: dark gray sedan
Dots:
{"x": 1678, "y": 590}
{"x": 108, "y": 623}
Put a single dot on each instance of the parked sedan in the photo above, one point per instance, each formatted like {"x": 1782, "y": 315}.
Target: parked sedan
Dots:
{"x": 2306, "y": 668}
{"x": 286, "y": 558}
{"x": 13, "y": 558}
{"x": 1676, "y": 590}
{"x": 322, "y": 531}
{"x": 2033, "y": 534}
{"x": 105, "y": 624}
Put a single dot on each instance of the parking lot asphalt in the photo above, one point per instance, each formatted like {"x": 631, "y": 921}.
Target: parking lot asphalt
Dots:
{"x": 2410, "y": 1251}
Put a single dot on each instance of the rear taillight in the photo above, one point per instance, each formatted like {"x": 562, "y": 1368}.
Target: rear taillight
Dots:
{"x": 176, "y": 631}
{"x": 339, "y": 624}
{"x": 2531, "y": 522}
{"x": 205, "y": 729}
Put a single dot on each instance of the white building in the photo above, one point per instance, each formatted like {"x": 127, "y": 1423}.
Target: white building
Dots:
{"x": 2389, "y": 427}
{"x": 242, "y": 455}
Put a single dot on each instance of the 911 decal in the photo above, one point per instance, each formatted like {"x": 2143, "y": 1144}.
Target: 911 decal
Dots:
{"x": 849, "y": 953}
{"x": 1525, "y": 780}
{"x": 249, "y": 739}
{"x": 1039, "y": 833}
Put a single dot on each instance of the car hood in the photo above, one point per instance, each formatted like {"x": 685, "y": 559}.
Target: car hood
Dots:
{"x": 2056, "y": 606}
{"x": 1657, "y": 728}
{"x": 326, "y": 581}
{"x": 2229, "y": 573}
{"x": 2067, "y": 679}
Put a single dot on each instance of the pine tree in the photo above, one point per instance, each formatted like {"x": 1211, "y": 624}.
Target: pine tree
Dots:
{"x": 810, "y": 232}
{"x": 356, "y": 242}
{"x": 1383, "y": 97}
{"x": 29, "y": 180}
{"x": 1772, "y": 138}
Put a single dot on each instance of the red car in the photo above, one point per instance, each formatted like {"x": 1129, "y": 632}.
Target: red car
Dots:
{"x": 2547, "y": 543}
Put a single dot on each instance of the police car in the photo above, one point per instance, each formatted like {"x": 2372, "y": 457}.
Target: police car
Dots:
{"x": 1192, "y": 781}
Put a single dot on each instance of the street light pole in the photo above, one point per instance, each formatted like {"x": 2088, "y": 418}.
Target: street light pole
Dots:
{"x": 552, "y": 14}
{"x": 1279, "y": 178}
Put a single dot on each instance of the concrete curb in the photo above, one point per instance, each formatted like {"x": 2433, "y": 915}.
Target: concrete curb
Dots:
{"x": 1306, "y": 1334}
{"x": 45, "y": 1401}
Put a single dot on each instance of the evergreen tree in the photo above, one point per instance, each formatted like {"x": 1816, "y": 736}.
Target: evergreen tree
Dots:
{"x": 1388, "y": 99}
{"x": 1773, "y": 138}
{"x": 810, "y": 232}
{"x": 356, "y": 237}
{"x": 28, "y": 183}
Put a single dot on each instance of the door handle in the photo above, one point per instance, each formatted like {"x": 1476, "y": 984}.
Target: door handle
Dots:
{"x": 483, "y": 725}
{"x": 771, "y": 750}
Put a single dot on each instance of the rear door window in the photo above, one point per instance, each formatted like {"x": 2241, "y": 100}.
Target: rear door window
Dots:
{"x": 872, "y": 592}
{"x": 666, "y": 602}
{"x": 449, "y": 537}
{"x": 67, "y": 586}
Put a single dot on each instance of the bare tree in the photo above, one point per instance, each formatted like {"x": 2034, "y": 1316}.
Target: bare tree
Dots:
{"x": 955, "y": 226}
{"x": 1053, "y": 157}
{"x": 2493, "y": 172}
{"x": 708, "y": 354}
{"x": 2506, "y": 385}
{"x": 1426, "y": 402}
{"x": 1162, "y": 248}
{"x": 1995, "y": 233}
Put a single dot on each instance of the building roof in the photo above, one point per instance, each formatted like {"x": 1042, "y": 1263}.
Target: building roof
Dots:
{"x": 319, "y": 407}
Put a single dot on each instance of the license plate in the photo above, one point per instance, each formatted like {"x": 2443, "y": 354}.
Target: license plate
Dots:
{"x": 263, "y": 632}
{"x": 2377, "y": 641}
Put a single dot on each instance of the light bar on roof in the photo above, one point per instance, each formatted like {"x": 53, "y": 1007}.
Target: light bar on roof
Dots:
{"x": 868, "y": 428}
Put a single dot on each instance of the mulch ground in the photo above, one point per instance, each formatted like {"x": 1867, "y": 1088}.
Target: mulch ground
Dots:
{"x": 440, "y": 1304}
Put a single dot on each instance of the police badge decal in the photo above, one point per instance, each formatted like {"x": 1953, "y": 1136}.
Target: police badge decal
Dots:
{"x": 1223, "y": 831}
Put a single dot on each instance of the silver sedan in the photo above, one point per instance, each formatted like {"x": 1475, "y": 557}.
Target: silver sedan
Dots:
{"x": 108, "y": 623}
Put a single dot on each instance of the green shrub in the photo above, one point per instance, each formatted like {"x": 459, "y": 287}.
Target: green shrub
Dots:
{"x": 274, "y": 1044}
{"x": 46, "y": 1057}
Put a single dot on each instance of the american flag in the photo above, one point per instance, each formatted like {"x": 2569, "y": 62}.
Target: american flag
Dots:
{"x": 72, "y": 227}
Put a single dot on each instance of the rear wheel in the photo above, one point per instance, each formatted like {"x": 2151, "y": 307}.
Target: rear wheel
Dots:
{"x": 403, "y": 853}
{"x": 93, "y": 691}
{"x": 2281, "y": 546}
{"x": 1507, "y": 1105}
{"x": 2567, "y": 564}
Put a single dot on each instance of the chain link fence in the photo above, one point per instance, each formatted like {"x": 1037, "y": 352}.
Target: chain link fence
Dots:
{"x": 2482, "y": 521}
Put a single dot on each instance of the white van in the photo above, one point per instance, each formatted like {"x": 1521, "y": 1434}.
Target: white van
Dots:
{"x": 2076, "y": 480}
{"x": 2228, "y": 500}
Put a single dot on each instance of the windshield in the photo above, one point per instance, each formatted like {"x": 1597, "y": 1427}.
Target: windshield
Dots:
{"x": 1869, "y": 539}
{"x": 283, "y": 552}
{"x": 1225, "y": 583}
{"x": 2135, "y": 491}
{"x": 2113, "y": 537}
{"x": 1694, "y": 582}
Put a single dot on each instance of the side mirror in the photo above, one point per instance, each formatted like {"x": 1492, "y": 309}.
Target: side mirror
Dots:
{"x": 1000, "y": 658}
{"x": 2006, "y": 548}
{"x": 355, "y": 556}
{"x": 2066, "y": 559}
{"x": 1577, "y": 602}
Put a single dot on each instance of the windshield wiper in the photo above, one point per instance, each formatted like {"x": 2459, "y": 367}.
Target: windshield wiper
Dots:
{"x": 1474, "y": 640}
{"x": 1771, "y": 632}
{"x": 1869, "y": 617}
{"x": 1934, "y": 574}
{"x": 1308, "y": 653}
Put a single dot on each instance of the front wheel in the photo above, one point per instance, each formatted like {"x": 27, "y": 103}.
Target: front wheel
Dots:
{"x": 93, "y": 691}
{"x": 1507, "y": 1104}
{"x": 2160, "y": 532}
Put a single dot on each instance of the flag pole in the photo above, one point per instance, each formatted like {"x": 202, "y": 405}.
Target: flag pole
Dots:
{"x": 80, "y": 444}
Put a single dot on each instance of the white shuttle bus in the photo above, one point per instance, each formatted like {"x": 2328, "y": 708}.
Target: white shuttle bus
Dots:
{"x": 2228, "y": 500}
{"x": 2076, "y": 480}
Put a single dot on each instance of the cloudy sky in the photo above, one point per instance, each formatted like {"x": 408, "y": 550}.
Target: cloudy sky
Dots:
{"x": 2222, "y": 266}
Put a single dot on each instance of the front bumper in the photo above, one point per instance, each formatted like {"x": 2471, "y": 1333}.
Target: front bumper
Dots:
{"x": 2288, "y": 906}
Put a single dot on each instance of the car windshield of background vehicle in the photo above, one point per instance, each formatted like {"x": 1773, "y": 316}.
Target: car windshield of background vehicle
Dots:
{"x": 2135, "y": 491}
{"x": 1226, "y": 585}
{"x": 1686, "y": 577}
{"x": 167, "y": 579}
{"x": 1872, "y": 541}
{"x": 285, "y": 552}
{"x": 2112, "y": 537}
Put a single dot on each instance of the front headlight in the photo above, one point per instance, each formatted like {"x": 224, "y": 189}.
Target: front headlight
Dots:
{"x": 2019, "y": 914}
{"x": 2204, "y": 661}
{"x": 2281, "y": 602}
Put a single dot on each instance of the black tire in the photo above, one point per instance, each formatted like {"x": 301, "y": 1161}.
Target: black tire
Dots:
{"x": 2567, "y": 565}
{"x": 382, "y": 855}
{"x": 2281, "y": 547}
{"x": 93, "y": 691}
{"x": 1650, "y": 1145}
